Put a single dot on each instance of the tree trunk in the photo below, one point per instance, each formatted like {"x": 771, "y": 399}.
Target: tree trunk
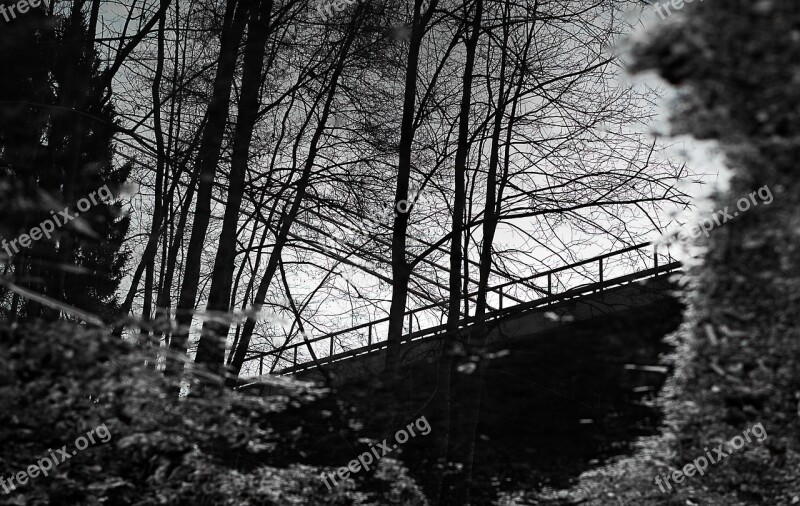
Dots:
{"x": 460, "y": 190}
{"x": 490, "y": 223}
{"x": 151, "y": 249}
{"x": 207, "y": 160}
{"x": 211, "y": 348}
{"x": 155, "y": 226}
{"x": 401, "y": 271}
{"x": 455, "y": 488}
{"x": 291, "y": 215}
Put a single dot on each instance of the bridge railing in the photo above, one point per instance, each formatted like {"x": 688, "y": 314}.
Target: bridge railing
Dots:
{"x": 598, "y": 272}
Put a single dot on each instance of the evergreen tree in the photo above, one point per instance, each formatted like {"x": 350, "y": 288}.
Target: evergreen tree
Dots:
{"x": 56, "y": 148}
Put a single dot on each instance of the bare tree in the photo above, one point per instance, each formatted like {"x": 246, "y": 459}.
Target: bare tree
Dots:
{"x": 207, "y": 160}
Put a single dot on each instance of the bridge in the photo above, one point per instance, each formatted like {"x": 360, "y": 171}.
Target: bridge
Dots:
{"x": 620, "y": 280}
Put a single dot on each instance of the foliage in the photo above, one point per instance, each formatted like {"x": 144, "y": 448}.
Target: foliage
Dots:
{"x": 56, "y": 147}
{"x": 741, "y": 353}
{"x": 59, "y": 381}
{"x": 738, "y": 355}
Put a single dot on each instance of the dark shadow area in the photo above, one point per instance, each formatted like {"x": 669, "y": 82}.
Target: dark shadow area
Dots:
{"x": 551, "y": 406}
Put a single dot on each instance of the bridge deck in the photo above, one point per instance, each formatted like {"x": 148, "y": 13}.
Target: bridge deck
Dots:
{"x": 434, "y": 332}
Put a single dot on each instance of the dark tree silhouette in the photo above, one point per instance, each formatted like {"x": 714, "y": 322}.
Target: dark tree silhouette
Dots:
{"x": 57, "y": 143}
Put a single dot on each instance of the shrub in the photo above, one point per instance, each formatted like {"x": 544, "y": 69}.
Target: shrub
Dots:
{"x": 59, "y": 381}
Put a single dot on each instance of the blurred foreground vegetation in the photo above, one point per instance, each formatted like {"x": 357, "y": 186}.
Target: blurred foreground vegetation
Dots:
{"x": 60, "y": 380}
